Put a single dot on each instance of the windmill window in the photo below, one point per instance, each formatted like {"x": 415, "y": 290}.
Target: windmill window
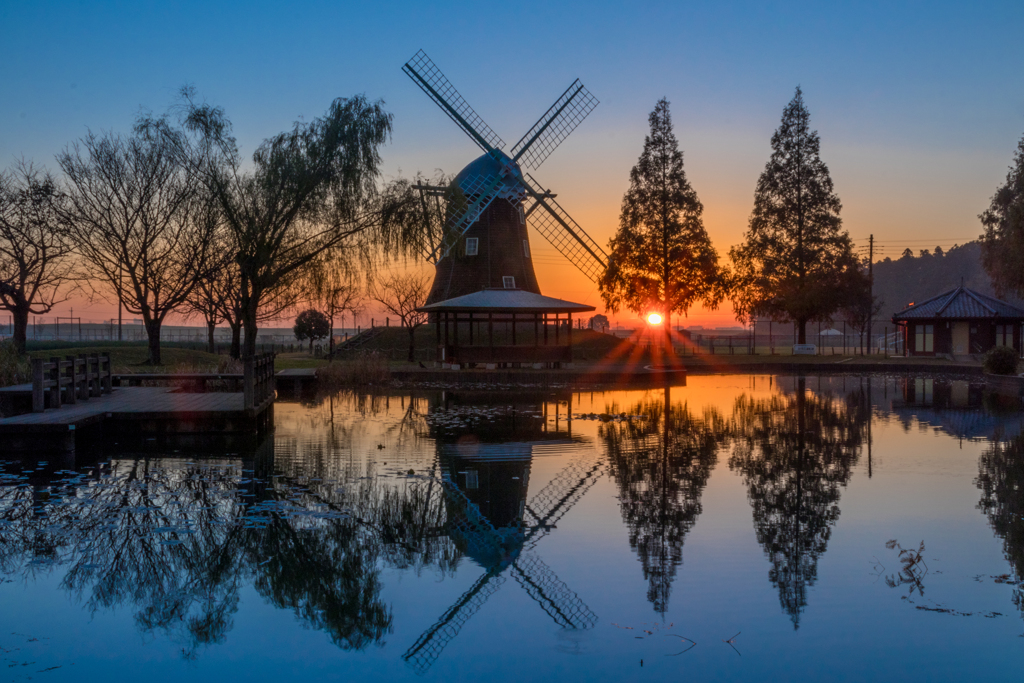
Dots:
{"x": 472, "y": 479}
{"x": 508, "y": 282}
{"x": 522, "y": 216}
{"x": 472, "y": 246}
{"x": 526, "y": 249}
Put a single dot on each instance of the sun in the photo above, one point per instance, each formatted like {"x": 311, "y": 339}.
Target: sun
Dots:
{"x": 654, "y": 319}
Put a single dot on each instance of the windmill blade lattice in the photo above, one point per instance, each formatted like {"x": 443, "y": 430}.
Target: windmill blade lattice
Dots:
{"x": 559, "y": 601}
{"x": 430, "y": 79}
{"x": 556, "y": 226}
{"x": 429, "y": 646}
{"x": 553, "y": 501}
{"x": 555, "y": 125}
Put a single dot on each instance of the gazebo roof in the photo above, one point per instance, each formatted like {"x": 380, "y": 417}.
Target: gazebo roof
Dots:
{"x": 505, "y": 301}
{"x": 959, "y": 303}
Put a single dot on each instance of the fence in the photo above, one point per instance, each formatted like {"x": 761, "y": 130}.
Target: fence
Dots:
{"x": 258, "y": 384}
{"x": 59, "y": 381}
{"x": 888, "y": 343}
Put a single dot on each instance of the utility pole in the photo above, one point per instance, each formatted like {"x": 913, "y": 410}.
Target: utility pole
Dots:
{"x": 871, "y": 284}
{"x": 120, "y": 284}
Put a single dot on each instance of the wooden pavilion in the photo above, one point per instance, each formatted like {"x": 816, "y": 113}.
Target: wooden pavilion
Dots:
{"x": 504, "y": 328}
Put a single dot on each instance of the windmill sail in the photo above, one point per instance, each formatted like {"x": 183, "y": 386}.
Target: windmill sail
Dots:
{"x": 554, "y": 126}
{"x": 430, "y": 79}
{"x": 554, "y": 597}
{"x": 557, "y": 227}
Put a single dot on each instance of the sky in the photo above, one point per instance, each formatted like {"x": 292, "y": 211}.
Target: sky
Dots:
{"x": 919, "y": 105}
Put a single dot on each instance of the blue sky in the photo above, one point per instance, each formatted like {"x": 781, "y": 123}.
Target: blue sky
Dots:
{"x": 919, "y": 105}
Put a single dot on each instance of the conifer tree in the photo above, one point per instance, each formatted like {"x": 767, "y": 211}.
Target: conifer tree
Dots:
{"x": 661, "y": 257}
{"x": 1003, "y": 242}
{"x": 796, "y": 263}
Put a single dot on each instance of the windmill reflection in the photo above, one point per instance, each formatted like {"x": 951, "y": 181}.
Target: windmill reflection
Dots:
{"x": 661, "y": 459}
{"x": 796, "y": 452}
{"x": 485, "y": 482}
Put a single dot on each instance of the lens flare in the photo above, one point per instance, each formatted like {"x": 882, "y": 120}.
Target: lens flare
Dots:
{"x": 654, "y": 319}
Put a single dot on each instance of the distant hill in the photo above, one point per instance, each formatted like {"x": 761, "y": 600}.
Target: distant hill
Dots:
{"x": 913, "y": 278}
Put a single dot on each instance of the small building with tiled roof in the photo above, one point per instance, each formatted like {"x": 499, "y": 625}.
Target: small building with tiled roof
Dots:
{"x": 959, "y": 322}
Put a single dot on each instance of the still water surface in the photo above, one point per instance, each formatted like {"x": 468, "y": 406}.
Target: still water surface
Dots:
{"x": 737, "y": 528}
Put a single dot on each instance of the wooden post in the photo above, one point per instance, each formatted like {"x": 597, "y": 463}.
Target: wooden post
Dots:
{"x": 536, "y": 329}
{"x": 55, "y": 378}
{"x": 72, "y": 396}
{"x": 513, "y": 329}
{"x": 568, "y": 333}
{"x": 37, "y": 385}
{"x": 248, "y": 386}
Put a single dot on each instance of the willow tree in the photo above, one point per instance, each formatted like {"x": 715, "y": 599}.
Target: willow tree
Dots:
{"x": 307, "y": 190}
{"x": 796, "y": 263}
{"x": 1003, "y": 242}
{"x": 35, "y": 252}
{"x": 661, "y": 257}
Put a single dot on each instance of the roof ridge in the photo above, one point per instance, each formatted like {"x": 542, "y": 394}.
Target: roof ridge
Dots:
{"x": 976, "y": 296}
{"x": 918, "y": 304}
{"x": 952, "y": 295}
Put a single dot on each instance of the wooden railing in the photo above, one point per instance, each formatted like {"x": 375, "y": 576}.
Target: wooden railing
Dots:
{"x": 71, "y": 380}
{"x": 258, "y": 382}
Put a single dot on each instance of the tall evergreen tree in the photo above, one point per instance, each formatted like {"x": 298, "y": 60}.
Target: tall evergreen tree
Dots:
{"x": 1003, "y": 241}
{"x": 796, "y": 263}
{"x": 661, "y": 257}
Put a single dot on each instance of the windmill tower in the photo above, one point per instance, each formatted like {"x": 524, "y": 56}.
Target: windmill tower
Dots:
{"x": 478, "y": 236}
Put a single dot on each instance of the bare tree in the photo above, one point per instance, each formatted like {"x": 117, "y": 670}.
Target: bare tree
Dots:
{"x": 134, "y": 207}
{"x": 401, "y": 294}
{"x": 35, "y": 253}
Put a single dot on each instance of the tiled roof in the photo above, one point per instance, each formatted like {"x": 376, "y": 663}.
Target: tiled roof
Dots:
{"x": 507, "y": 301}
{"x": 958, "y": 304}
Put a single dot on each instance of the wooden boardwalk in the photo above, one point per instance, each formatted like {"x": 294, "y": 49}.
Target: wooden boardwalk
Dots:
{"x": 128, "y": 403}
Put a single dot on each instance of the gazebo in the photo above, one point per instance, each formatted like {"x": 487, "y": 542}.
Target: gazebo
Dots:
{"x": 504, "y": 327}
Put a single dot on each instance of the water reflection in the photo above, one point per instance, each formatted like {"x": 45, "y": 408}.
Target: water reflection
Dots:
{"x": 486, "y": 452}
{"x": 466, "y": 484}
{"x": 796, "y": 452}
{"x": 1001, "y": 480}
{"x": 661, "y": 457}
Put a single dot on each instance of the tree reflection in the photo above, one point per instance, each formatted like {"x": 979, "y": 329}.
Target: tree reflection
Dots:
{"x": 1001, "y": 480}
{"x": 661, "y": 459}
{"x": 176, "y": 541}
{"x": 796, "y": 452}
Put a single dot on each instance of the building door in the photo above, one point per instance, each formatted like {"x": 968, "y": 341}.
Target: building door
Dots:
{"x": 961, "y": 338}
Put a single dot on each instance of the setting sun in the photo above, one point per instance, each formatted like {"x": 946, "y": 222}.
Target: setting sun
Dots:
{"x": 654, "y": 319}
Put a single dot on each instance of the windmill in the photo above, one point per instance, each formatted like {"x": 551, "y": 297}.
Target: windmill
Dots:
{"x": 506, "y": 547}
{"x": 476, "y": 241}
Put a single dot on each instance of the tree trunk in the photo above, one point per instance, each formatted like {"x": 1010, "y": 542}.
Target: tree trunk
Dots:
{"x": 153, "y": 333}
{"x": 249, "y": 325}
{"x": 209, "y": 336}
{"x": 311, "y": 346}
{"x": 801, "y": 326}
{"x": 20, "y": 316}
{"x": 412, "y": 343}
{"x": 236, "y": 338}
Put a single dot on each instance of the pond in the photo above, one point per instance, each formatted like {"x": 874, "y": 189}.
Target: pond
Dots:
{"x": 736, "y": 528}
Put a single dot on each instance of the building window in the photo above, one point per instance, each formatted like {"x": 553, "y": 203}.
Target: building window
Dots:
{"x": 1004, "y": 335}
{"x": 472, "y": 479}
{"x": 472, "y": 246}
{"x": 924, "y": 338}
{"x": 526, "y": 249}
{"x": 522, "y": 216}
{"x": 508, "y": 282}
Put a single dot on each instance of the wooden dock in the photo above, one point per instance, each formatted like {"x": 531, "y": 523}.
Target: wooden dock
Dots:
{"x": 128, "y": 411}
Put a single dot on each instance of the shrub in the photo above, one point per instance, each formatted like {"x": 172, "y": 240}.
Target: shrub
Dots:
{"x": 14, "y": 369}
{"x": 1001, "y": 360}
{"x": 368, "y": 368}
